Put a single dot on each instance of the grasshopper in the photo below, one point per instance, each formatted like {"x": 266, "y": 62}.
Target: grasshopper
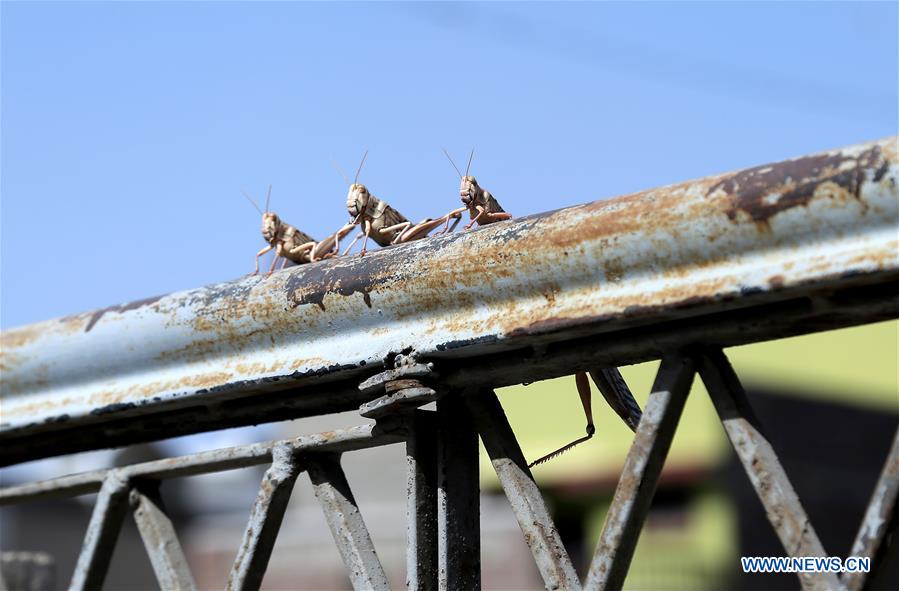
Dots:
{"x": 483, "y": 208}
{"x": 288, "y": 242}
{"x": 614, "y": 389}
{"x": 381, "y": 222}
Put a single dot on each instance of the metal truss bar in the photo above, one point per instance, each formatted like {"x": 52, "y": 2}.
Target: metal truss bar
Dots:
{"x": 879, "y": 517}
{"x": 342, "y": 514}
{"x": 102, "y": 533}
{"x": 640, "y": 474}
{"x": 229, "y": 458}
{"x": 160, "y": 539}
{"x": 760, "y": 461}
{"x": 524, "y": 496}
{"x": 421, "y": 502}
{"x": 458, "y": 503}
{"x": 265, "y": 522}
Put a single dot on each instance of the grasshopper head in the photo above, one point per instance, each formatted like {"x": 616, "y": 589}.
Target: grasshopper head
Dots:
{"x": 271, "y": 223}
{"x": 468, "y": 190}
{"x": 357, "y": 199}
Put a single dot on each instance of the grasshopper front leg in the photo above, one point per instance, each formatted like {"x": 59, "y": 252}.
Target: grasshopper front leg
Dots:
{"x": 259, "y": 254}
{"x": 353, "y": 243}
{"x": 474, "y": 220}
{"x": 278, "y": 254}
{"x": 366, "y": 225}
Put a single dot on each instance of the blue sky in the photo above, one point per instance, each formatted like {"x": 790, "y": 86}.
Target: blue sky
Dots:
{"x": 128, "y": 129}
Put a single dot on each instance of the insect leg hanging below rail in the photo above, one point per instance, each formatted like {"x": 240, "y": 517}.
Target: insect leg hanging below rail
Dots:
{"x": 616, "y": 392}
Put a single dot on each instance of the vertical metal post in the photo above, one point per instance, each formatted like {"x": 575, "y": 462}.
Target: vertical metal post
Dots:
{"x": 879, "y": 515}
{"x": 159, "y": 537}
{"x": 421, "y": 505}
{"x": 458, "y": 507}
{"x": 768, "y": 477}
{"x": 102, "y": 533}
{"x": 342, "y": 514}
{"x": 265, "y": 521}
{"x": 640, "y": 475}
{"x": 527, "y": 503}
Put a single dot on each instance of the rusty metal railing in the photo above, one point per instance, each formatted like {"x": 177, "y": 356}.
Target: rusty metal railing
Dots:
{"x": 676, "y": 273}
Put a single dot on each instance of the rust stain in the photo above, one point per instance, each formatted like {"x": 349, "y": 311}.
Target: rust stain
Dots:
{"x": 18, "y": 337}
{"x": 764, "y": 191}
{"x": 135, "y": 305}
{"x": 143, "y": 392}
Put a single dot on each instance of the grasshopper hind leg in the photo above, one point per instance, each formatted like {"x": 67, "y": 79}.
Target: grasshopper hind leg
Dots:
{"x": 583, "y": 390}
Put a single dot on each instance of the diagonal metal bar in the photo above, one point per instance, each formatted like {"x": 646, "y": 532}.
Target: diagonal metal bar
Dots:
{"x": 160, "y": 539}
{"x": 458, "y": 503}
{"x": 102, "y": 533}
{"x": 342, "y": 514}
{"x": 421, "y": 502}
{"x": 765, "y": 471}
{"x": 524, "y": 496}
{"x": 640, "y": 474}
{"x": 265, "y": 522}
{"x": 881, "y": 512}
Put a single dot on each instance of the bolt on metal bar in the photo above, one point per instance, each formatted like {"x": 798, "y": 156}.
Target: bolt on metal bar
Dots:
{"x": 522, "y": 491}
{"x": 881, "y": 512}
{"x": 102, "y": 533}
{"x": 421, "y": 502}
{"x": 265, "y": 522}
{"x": 160, "y": 539}
{"x": 640, "y": 474}
{"x": 342, "y": 514}
{"x": 228, "y": 458}
{"x": 458, "y": 502}
{"x": 785, "y": 512}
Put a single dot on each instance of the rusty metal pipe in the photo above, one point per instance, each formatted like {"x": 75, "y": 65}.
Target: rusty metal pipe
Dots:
{"x": 240, "y": 351}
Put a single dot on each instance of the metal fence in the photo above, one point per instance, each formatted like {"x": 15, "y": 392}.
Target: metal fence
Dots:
{"x": 677, "y": 273}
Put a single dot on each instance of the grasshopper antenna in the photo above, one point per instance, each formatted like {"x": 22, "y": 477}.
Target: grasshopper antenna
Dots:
{"x": 250, "y": 199}
{"x": 467, "y": 168}
{"x": 453, "y": 163}
{"x": 268, "y": 198}
{"x": 358, "y": 170}
{"x": 339, "y": 170}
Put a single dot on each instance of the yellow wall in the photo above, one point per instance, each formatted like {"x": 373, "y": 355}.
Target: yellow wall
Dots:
{"x": 858, "y": 365}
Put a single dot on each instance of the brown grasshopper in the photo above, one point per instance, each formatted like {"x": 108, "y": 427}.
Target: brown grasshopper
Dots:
{"x": 381, "y": 222}
{"x": 614, "y": 389}
{"x": 288, "y": 242}
{"x": 483, "y": 208}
